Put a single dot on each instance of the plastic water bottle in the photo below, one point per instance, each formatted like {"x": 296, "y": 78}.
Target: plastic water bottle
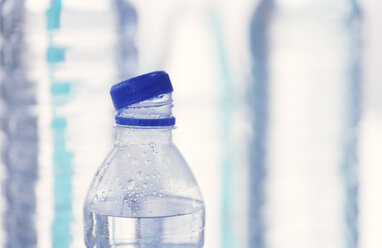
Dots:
{"x": 50, "y": 68}
{"x": 305, "y": 102}
{"x": 144, "y": 194}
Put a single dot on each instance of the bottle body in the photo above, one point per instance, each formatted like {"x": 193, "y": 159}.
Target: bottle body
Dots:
{"x": 147, "y": 232}
{"x": 144, "y": 194}
{"x": 49, "y": 70}
{"x": 304, "y": 171}
{"x": 141, "y": 196}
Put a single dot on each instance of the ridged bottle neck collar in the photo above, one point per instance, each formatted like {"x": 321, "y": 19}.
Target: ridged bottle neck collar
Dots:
{"x": 154, "y": 112}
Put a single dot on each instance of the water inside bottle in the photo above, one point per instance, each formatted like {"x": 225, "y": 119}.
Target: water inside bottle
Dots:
{"x": 155, "y": 222}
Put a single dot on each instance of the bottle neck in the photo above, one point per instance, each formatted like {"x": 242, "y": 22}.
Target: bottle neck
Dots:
{"x": 131, "y": 136}
{"x": 149, "y": 121}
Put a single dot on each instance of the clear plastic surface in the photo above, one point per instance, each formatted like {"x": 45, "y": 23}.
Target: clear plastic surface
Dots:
{"x": 144, "y": 194}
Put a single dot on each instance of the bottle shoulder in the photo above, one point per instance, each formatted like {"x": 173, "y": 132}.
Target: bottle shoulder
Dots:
{"x": 138, "y": 173}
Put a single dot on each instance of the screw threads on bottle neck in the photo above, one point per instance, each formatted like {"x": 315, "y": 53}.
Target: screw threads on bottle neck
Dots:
{"x": 154, "y": 112}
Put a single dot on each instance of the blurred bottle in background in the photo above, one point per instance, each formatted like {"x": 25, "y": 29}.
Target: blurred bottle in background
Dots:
{"x": 19, "y": 124}
{"x": 305, "y": 106}
{"x": 58, "y": 59}
{"x": 177, "y": 36}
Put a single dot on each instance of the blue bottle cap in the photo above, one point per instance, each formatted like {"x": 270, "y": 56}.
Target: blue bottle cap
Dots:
{"x": 140, "y": 88}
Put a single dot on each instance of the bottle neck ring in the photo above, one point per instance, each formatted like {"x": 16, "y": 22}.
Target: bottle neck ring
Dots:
{"x": 163, "y": 122}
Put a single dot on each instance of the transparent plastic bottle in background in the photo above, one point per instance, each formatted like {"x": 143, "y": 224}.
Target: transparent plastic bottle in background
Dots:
{"x": 306, "y": 107}
{"x": 144, "y": 194}
{"x": 56, "y": 59}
